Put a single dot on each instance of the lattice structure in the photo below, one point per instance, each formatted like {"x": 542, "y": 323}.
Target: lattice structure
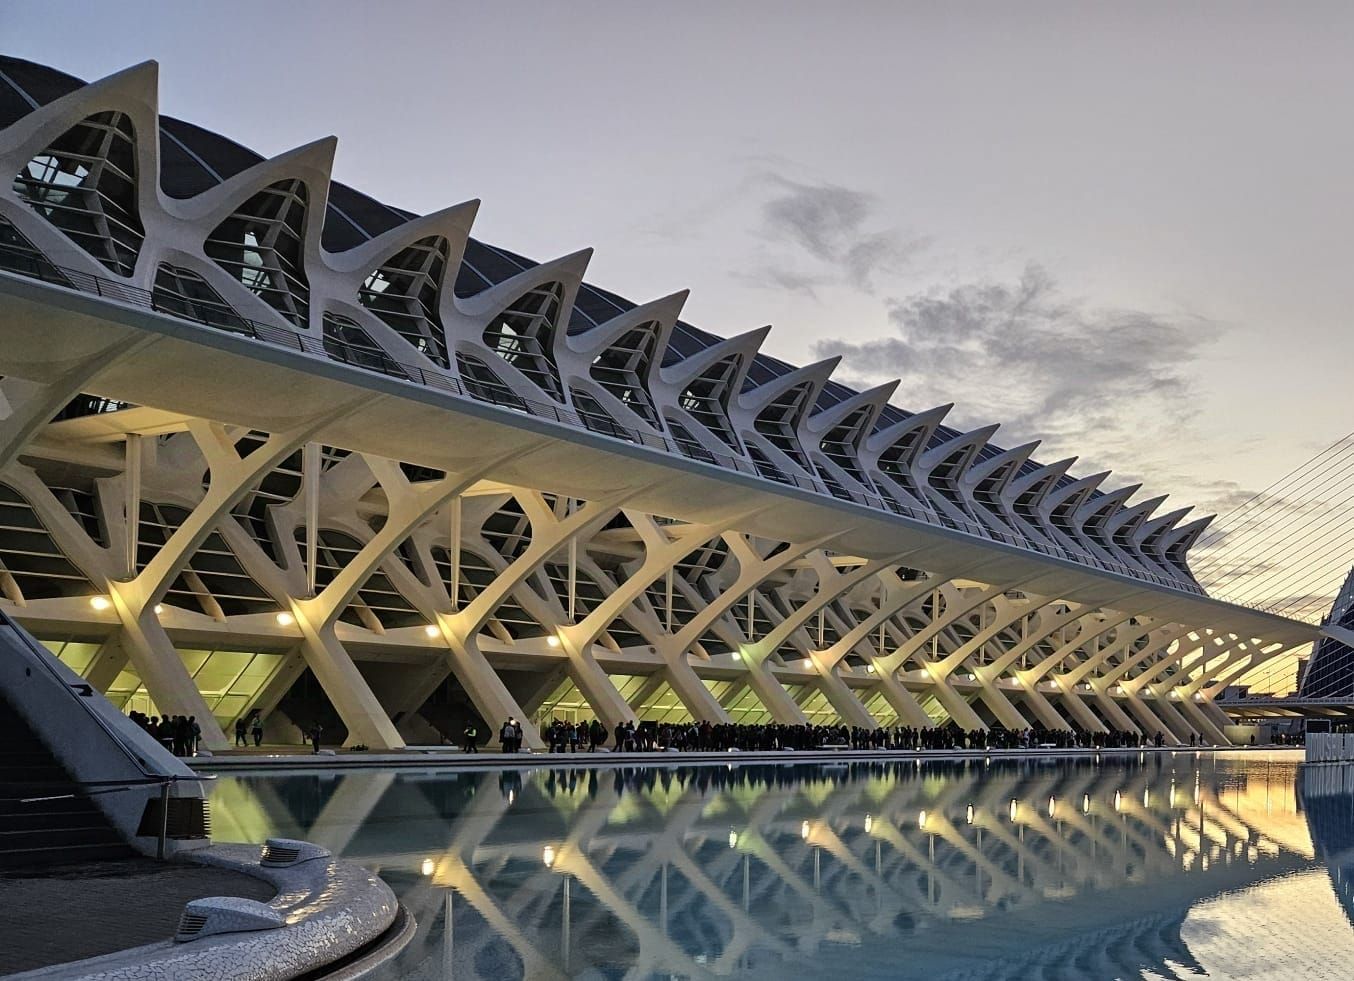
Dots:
{"x": 419, "y": 475}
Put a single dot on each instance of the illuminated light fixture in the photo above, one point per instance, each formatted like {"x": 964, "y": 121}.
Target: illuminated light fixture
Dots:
{"x": 1085, "y": 803}
{"x": 428, "y": 866}
{"x": 159, "y": 609}
{"x": 733, "y": 839}
{"x": 431, "y": 630}
{"x": 552, "y": 641}
{"x": 869, "y": 824}
{"x": 807, "y": 663}
{"x": 1014, "y": 808}
{"x": 1118, "y": 800}
{"x": 285, "y": 619}
{"x": 972, "y": 677}
{"x": 921, "y": 819}
{"x": 804, "y": 831}
{"x": 869, "y": 668}
{"x": 100, "y": 602}
{"x": 968, "y": 814}
{"x": 1052, "y": 806}
{"x": 548, "y": 856}
{"x": 737, "y": 655}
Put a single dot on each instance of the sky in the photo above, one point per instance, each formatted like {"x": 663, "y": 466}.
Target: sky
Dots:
{"x": 1121, "y": 229}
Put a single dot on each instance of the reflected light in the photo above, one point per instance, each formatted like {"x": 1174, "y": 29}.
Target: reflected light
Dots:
{"x": 285, "y": 619}
{"x": 968, "y": 814}
{"x": 869, "y": 824}
{"x": 1014, "y": 808}
{"x": 1052, "y": 806}
{"x": 1146, "y": 796}
{"x": 1085, "y": 803}
{"x": 1118, "y": 800}
{"x": 921, "y": 819}
{"x": 733, "y": 839}
{"x": 804, "y": 831}
{"x": 100, "y": 602}
{"x": 428, "y": 866}
{"x": 548, "y": 856}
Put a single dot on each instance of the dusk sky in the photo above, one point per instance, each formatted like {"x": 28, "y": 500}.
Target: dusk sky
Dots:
{"x": 1122, "y": 229}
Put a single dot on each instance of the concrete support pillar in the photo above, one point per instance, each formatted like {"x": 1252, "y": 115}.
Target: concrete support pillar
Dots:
{"x": 844, "y": 700}
{"x": 158, "y": 664}
{"x": 902, "y": 701}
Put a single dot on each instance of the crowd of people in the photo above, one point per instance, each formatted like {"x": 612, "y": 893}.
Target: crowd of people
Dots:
{"x": 180, "y": 734}
{"x": 563, "y": 736}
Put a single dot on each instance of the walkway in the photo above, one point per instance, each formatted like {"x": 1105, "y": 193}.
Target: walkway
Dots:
{"x": 54, "y": 916}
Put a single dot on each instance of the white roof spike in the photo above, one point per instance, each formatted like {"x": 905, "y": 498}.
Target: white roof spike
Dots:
{"x": 311, "y": 163}
{"x": 746, "y": 344}
{"x": 452, "y": 223}
{"x": 663, "y": 311}
{"x": 814, "y": 375}
{"x": 568, "y": 269}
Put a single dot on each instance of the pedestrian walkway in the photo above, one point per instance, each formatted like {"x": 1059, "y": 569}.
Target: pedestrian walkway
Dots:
{"x": 56, "y": 915}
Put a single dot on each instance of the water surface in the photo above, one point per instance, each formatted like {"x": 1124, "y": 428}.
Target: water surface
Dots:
{"x": 1155, "y": 866}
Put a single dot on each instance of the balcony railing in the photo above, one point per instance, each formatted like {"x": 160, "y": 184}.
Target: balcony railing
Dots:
{"x": 35, "y": 266}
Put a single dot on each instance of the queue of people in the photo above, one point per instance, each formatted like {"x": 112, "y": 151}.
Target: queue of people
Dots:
{"x": 563, "y": 736}
{"x": 180, "y": 734}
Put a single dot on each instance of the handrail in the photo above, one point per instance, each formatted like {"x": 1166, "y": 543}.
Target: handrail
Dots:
{"x": 24, "y": 263}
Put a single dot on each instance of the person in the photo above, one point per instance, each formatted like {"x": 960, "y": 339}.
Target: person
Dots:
{"x": 256, "y": 729}
{"x": 239, "y": 732}
{"x": 316, "y": 731}
{"x": 194, "y": 735}
{"x": 516, "y": 735}
{"x": 596, "y": 735}
{"x": 505, "y": 736}
{"x": 468, "y": 736}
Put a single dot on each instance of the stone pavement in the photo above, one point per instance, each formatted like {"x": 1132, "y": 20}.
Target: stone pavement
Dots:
{"x": 51, "y": 916}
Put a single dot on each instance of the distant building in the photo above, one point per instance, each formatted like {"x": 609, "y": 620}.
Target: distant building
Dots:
{"x": 1330, "y": 670}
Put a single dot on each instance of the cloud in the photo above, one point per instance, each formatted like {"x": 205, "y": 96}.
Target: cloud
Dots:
{"x": 1089, "y": 381}
{"x": 829, "y": 225}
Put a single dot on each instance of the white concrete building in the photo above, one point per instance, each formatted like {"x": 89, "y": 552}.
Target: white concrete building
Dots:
{"x": 384, "y": 470}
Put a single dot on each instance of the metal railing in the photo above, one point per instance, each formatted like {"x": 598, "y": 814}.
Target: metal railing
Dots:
{"x": 95, "y": 788}
{"x": 35, "y": 266}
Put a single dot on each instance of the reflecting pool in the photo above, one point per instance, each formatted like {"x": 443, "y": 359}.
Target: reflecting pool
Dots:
{"x": 1153, "y": 866}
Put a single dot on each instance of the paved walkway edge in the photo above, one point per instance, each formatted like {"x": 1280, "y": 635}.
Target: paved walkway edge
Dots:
{"x": 333, "y": 910}
{"x": 417, "y": 758}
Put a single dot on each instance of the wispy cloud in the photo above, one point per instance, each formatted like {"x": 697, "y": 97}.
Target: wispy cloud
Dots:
{"x": 1085, "y": 380}
{"x": 820, "y": 234}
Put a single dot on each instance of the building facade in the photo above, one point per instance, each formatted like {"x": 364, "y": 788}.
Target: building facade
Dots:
{"x": 269, "y": 445}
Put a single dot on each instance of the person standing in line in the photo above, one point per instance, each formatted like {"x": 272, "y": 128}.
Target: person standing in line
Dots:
{"x": 194, "y": 735}
{"x": 516, "y": 735}
{"x": 239, "y": 732}
{"x": 505, "y": 735}
{"x": 256, "y": 729}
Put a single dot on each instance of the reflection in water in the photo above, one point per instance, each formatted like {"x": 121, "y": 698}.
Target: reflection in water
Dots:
{"x": 1007, "y": 869}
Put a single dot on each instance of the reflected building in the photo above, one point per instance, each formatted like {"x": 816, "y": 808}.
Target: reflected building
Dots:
{"x": 968, "y": 870}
